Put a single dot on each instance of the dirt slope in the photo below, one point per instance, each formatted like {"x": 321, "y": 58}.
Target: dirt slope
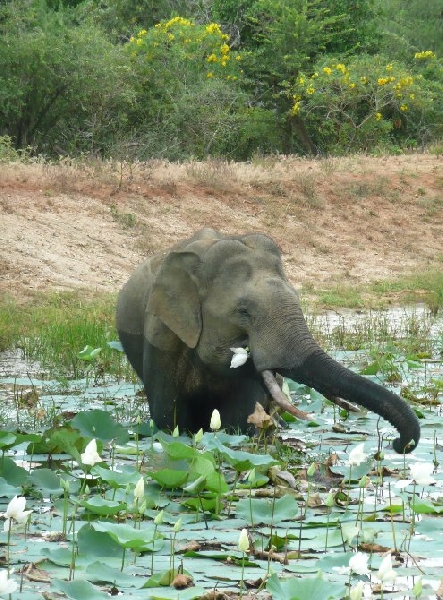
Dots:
{"x": 337, "y": 220}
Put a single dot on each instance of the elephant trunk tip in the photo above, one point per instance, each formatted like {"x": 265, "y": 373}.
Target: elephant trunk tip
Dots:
{"x": 402, "y": 447}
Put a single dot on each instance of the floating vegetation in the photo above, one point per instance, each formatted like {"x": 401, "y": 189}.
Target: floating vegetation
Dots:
{"x": 97, "y": 503}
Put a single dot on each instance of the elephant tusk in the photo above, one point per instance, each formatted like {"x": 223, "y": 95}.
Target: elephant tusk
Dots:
{"x": 279, "y": 398}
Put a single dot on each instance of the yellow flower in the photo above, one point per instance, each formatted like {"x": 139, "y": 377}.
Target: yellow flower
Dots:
{"x": 310, "y": 90}
{"x": 382, "y": 81}
{"x": 142, "y": 32}
{"x": 378, "y": 116}
{"x": 364, "y": 80}
{"x": 213, "y": 28}
{"x": 171, "y": 36}
{"x": 412, "y": 96}
{"x": 209, "y": 74}
{"x": 389, "y": 67}
{"x": 223, "y": 63}
{"x": 404, "y": 107}
{"x": 295, "y": 109}
{"x": 212, "y": 58}
{"x": 327, "y": 70}
{"x": 341, "y": 67}
{"x": 301, "y": 80}
{"x": 405, "y": 81}
{"x": 132, "y": 38}
{"x": 424, "y": 55}
{"x": 224, "y": 49}
{"x": 352, "y": 86}
{"x": 238, "y": 57}
{"x": 176, "y": 21}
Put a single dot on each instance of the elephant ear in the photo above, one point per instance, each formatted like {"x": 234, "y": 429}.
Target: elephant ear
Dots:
{"x": 174, "y": 298}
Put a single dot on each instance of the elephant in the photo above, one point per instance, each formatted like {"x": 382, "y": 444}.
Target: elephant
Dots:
{"x": 182, "y": 312}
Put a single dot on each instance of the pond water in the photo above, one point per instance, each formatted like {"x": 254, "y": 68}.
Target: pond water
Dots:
{"x": 389, "y": 512}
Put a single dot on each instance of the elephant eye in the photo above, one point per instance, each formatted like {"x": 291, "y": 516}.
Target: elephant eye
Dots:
{"x": 243, "y": 310}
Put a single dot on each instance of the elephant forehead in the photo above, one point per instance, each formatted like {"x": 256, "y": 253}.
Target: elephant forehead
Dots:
{"x": 233, "y": 258}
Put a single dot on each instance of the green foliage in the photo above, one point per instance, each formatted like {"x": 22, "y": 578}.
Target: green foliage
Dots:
{"x": 121, "y": 18}
{"x": 63, "y": 85}
{"x": 10, "y": 154}
{"x": 408, "y": 27}
{"x": 308, "y": 587}
{"x": 125, "y": 80}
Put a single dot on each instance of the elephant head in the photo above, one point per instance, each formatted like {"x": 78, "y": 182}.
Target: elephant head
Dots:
{"x": 181, "y": 313}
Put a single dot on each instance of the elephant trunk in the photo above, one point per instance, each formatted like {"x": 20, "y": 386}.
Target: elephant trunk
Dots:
{"x": 327, "y": 376}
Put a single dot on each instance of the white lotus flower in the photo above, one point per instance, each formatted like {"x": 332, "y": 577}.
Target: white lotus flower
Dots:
{"x": 215, "y": 423}
{"x": 421, "y": 473}
{"x": 90, "y": 456}
{"x": 16, "y": 512}
{"x": 401, "y": 484}
{"x": 198, "y": 436}
{"x": 418, "y": 588}
{"x": 356, "y": 592}
{"x": 158, "y": 519}
{"x": 386, "y": 573}
{"x": 359, "y": 564}
{"x": 239, "y": 358}
{"x": 357, "y": 455}
{"x": 178, "y": 525}
{"x": 139, "y": 490}
{"x": 7, "y": 586}
{"x": 243, "y": 541}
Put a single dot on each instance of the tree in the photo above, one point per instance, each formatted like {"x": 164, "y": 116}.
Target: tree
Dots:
{"x": 64, "y": 88}
{"x": 189, "y": 99}
{"x": 409, "y": 27}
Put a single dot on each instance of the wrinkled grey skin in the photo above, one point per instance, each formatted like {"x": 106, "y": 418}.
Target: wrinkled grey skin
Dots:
{"x": 181, "y": 312}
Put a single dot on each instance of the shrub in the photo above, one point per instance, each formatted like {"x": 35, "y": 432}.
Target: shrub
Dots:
{"x": 366, "y": 102}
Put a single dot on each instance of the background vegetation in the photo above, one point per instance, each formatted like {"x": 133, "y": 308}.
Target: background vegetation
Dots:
{"x": 179, "y": 79}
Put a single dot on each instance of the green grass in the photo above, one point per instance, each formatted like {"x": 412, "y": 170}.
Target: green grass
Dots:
{"x": 422, "y": 287}
{"x": 54, "y": 327}
{"x": 425, "y": 287}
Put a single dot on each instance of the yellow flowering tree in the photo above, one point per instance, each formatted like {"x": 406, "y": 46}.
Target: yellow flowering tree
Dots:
{"x": 188, "y": 87}
{"x": 183, "y": 47}
{"x": 363, "y": 103}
